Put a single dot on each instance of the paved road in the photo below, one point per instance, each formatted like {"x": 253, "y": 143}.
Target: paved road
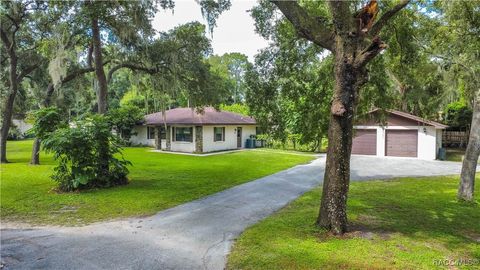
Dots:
{"x": 195, "y": 235}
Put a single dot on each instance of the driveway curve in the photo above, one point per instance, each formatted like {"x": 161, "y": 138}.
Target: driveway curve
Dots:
{"x": 195, "y": 235}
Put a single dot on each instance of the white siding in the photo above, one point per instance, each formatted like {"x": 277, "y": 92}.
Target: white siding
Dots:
{"x": 230, "y": 137}
{"x": 141, "y": 137}
{"x": 22, "y": 125}
{"x": 164, "y": 144}
{"x": 427, "y": 140}
{"x": 188, "y": 147}
{"x": 208, "y": 144}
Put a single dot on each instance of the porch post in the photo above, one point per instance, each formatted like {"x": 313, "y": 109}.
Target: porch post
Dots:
{"x": 158, "y": 138}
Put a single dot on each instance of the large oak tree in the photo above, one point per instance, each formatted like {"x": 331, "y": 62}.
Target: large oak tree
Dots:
{"x": 20, "y": 38}
{"x": 353, "y": 39}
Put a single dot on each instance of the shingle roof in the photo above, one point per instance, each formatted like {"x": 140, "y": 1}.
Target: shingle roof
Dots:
{"x": 415, "y": 118}
{"x": 189, "y": 116}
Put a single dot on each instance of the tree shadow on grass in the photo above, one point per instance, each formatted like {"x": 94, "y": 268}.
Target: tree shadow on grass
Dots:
{"x": 418, "y": 209}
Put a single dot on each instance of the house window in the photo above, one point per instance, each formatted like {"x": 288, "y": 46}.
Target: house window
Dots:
{"x": 218, "y": 134}
{"x": 183, "y": 134}
{"x": 150, "y": 133}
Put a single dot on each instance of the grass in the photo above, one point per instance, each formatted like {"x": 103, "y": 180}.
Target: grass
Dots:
{"x": 455, "y": 154}
{"x": 399, "y": 224}
{"x": 157, "y": 181}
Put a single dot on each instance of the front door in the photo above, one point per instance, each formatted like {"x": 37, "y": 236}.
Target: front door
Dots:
{"x": 239, "y": 137}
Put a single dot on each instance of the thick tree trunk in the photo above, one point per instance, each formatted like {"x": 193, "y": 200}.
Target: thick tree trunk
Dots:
{"x": 353, "y": 39}
{"x": 8, "y": 107}
{"x": 103, "y": 156}
{"x": 99, "y": 71}
{"x": 469, "y": 166}
{"x": 333, "y": 209}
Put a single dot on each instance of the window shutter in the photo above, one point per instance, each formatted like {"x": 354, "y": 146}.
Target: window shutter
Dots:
{"x": 223, "y": 133}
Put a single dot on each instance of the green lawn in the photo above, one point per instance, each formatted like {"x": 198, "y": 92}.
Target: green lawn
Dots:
{"x": 455, "y": 154}
{"x": 402, "y": 224}
{"x": 158, "y": 181}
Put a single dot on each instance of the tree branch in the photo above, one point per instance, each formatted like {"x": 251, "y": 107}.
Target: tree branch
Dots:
{"x": 316, "y": 31}
{"x": 369, "y": 53}
{"x": 5, "y": 40}
{"x": 77, "y": 73}
{"x": 376, "y": 46}
{"x": 132, "y": 66}
{"x": 14, "y": 22}
{"x": 48, "y": 97}
{"x": 377, "y": 27}
{"x": 342, "y": 16}
{"x": 25, "y": 72}
{"x": 69, "y": 77}
{"x": 90, "y": 55}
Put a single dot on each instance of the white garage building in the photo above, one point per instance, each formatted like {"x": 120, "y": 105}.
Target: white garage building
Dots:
{"x": 188, "y": 130}
{"x": 403, "y": 135}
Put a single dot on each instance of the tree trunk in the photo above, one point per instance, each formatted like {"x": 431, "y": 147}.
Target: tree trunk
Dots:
{"x": 103, "y": 155}
{"x": 333, "y": 209}
{"x": 469, "y": 166}
{"x": 353, "y": 39}
{"x": 99, "y": 71}
{"x": 35, "y": 160}
{"x": 8, "y": 107}
{"x": 318, "y": 144}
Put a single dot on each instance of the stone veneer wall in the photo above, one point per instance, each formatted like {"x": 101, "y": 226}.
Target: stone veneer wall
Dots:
{"x": 158, "y": 140}
{"x": 199, "y": 139}
{"x": 168, "y": 138}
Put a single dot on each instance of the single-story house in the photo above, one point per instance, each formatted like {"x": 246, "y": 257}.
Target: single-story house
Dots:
{"x": 22, "y": 126}
{"x": 192, "y": 131}
{"x": 401, "y": 135}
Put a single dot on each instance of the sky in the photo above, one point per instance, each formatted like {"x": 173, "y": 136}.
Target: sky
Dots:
{"x": 235, "y": 31}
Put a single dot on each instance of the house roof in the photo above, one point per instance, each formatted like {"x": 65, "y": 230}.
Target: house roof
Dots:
{"x": 190, "y": 116}
{"x": 414, "y": 118}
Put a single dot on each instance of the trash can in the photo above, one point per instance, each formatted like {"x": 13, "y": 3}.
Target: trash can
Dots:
{"x": 249, "y": 143}
{"x": 442, "y": 154}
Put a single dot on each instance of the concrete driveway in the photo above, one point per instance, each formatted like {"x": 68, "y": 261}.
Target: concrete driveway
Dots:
{"x": 195, "y": 235}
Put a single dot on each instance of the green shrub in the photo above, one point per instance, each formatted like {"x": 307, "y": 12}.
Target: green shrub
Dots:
{"x": 124, "y": 119}
{"x": 458, "y": 115}
{"x": 293, "y": 142}
{"x": 46, "y": 121}
{"x": 86, "y": 153}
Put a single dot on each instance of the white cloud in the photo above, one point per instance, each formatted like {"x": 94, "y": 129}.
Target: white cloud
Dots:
{"x": 235, "y": 31}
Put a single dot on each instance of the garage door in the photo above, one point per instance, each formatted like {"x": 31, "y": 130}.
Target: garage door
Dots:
{"x": 401, "y": 143}
{"x": 365, "y": 142}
